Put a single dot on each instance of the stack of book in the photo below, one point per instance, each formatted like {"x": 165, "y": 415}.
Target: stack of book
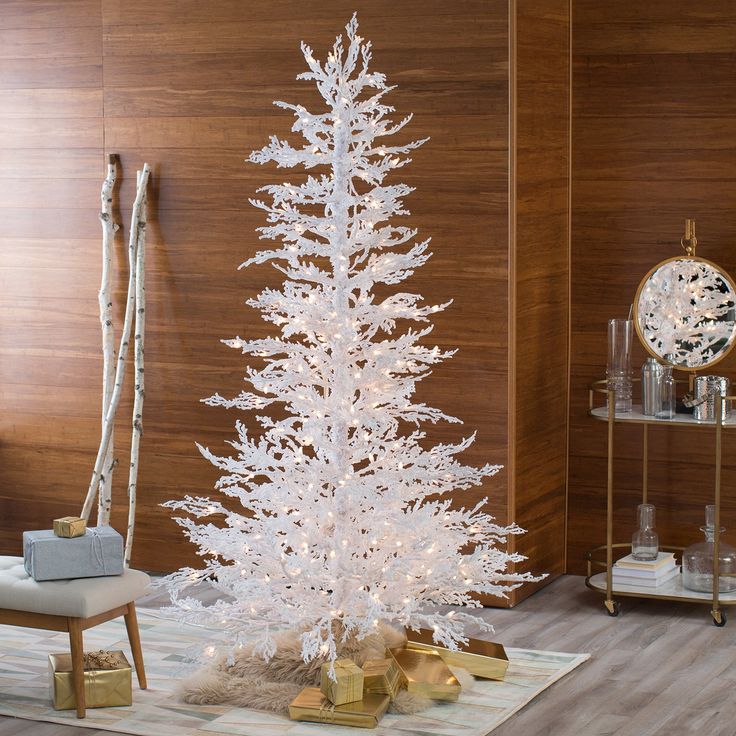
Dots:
{"x": 628, "y": 571}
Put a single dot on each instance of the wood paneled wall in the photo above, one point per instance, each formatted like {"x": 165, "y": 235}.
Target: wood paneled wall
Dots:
{"x": 191, "y": 91}
{"x": 51, "y": 154}
{"x": 539, "y": 276}
{"x": 654, "y": 140}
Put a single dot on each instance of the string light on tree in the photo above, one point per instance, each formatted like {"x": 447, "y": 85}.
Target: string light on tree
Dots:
{"x": 346, "y": 519}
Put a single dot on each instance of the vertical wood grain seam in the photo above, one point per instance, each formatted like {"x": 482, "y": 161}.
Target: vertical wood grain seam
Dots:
{"x": 569, "y": 282}
{"x": 511, "y": 416}
{"x": 102, "y": 75}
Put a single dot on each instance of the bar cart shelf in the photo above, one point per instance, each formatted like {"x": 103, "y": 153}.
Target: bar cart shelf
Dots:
{"x": 600, "y": 560}
{"x": 636, "y": 417}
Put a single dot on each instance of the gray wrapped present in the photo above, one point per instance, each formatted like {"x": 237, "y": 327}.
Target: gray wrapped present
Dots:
{"x": 48, "y": 557}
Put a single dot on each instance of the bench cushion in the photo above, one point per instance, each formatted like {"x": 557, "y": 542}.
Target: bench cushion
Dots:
{"x": 77, "y": 598}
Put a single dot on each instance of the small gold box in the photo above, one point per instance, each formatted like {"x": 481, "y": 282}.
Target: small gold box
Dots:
{"x": 484, "y": 659}
{"x": 427, "y": 674}
{"x": 347, "y": 688}
{"x": 103, "y": 688}
{"x": 70, "y": 527}
{"x": 382, "y": 676}
{"x": 311, "y": 705}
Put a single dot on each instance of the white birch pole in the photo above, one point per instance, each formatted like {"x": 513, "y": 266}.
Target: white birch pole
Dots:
{"x": 139, "y": 347}
{"x": 109, "y": 228}
{"x": 123, "y": 349}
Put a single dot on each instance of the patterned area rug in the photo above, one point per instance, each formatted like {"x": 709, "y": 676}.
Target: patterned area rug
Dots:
{"x": 167, "y": 645}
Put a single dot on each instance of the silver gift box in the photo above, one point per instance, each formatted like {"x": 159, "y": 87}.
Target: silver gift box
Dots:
{"x": 48, "y": 557}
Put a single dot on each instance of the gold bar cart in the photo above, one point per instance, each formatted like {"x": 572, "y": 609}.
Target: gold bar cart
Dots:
{"x": 602, "y": 582}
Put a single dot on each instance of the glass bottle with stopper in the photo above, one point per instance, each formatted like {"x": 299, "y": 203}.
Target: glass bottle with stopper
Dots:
{"x": 697, "y": 560}
{"x": 645, "y": 542}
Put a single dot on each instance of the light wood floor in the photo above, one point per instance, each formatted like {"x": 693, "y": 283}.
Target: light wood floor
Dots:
{"x": 657, "y": 670}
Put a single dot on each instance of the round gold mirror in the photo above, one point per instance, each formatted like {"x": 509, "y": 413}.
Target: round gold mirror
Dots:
{"x": 685, "y": 312}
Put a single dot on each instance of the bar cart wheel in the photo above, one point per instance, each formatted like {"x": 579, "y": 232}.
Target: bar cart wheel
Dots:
{"x": 719, "y": 618}
{"x": 613, "y": 608}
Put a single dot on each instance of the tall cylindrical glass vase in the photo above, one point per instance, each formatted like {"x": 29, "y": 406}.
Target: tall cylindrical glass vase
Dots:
{"x": 618, "y": 368}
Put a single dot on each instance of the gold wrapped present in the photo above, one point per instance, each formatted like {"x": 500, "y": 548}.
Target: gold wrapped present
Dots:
{"x": 348, "y": 685}
{"x": 69, "y": 527}
{"x": 107, "y": 680}
{"x": 382, "y": 676}
{"x": 312, "y": 705}
{"x": 426, "y": 674}
{"x": 481, "y": 658}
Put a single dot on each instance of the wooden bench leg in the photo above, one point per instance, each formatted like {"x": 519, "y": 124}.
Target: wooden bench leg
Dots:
{"x": 76, "y": 644}
{"x": 131, "y": 624}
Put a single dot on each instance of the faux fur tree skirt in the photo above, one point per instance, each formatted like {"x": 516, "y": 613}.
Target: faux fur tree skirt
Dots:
{"x": 251, "y": 682}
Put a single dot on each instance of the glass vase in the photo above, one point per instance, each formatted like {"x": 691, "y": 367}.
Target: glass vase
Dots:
{"x": 668, "y": 395}
{"x": 618, "y": 367}
{"x": 645, "y": 542}
{"x": 697, "y": 560}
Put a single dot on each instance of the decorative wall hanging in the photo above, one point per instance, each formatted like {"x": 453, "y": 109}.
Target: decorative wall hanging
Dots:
{"x": 685, "y": 309}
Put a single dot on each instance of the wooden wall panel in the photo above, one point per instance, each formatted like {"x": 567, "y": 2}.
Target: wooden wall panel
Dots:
{"x": 654, "y": 126}
{"x": 223, "y": 111}
{"x": 51, "y": 147}
{"x": 190, "y": 90}
{"x": 540, "y": 281}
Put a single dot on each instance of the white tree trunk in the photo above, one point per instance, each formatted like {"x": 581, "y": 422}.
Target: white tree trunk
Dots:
{"x": 139, "y": 347}
{"x": 109, "y": 228}
{"x": 124, "y": 341}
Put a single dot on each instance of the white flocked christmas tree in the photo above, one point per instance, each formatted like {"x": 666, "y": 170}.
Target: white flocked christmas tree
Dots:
{"x": 347, "y": 519}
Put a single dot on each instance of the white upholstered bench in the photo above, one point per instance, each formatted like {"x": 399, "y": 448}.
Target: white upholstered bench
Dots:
{"x": 73, "y": 606}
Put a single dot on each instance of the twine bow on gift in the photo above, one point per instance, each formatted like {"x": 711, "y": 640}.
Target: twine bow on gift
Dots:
{"x": 101, "y": 660}
{"x": 97, "y": 549}
{"x": 326, "y": 711}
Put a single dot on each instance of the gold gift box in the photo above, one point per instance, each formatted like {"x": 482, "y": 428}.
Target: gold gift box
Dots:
{"x": 382, "y": 676}
{"x": 312, "y": 705}
{"x": 348, "y": 685}
{"x": 70, "y": 527}
{"x": 426, "y": 674}
{"x": 481, "y": 658}
{"x": 103, "y": 688}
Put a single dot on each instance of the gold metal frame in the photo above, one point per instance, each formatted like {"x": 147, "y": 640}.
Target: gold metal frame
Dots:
{"x": 689, "y": 243}
{"x": 611, "y": 605}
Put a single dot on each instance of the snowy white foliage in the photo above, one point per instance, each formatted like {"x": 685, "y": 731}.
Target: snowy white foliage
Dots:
{"x": 346, "y": 517}
{"x": 686, "y": 309}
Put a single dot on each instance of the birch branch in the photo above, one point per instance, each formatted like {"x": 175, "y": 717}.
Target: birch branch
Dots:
{"x": 139, "y": 347}
{"x": 123, "y": 349}
{"x": 109, "y": 228}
